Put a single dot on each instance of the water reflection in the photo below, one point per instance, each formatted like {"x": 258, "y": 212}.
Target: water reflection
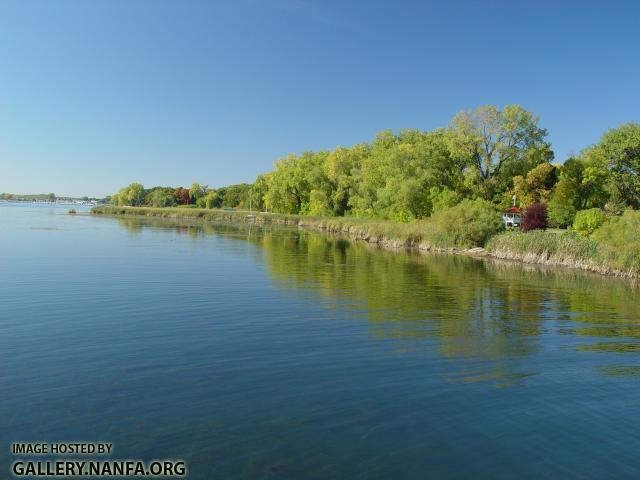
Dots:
{"x": 495, "y": 313}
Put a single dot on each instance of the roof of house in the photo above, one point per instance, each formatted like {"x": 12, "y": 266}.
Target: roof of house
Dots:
{"x": 513, "y": 210}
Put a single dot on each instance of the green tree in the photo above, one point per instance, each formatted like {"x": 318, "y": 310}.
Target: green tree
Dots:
{"x": 582, "y": 184}
{"x": 293, "y": 180}
{"x": 339, "y": 168}
{"x": 536, "y": 187}
{"x": 131, "y": 195}
{"x": 567, "y": 197}
{"x": 620, "y": 149}
{"x": 258, "y": 191}
{"x": 213, "y": 199}
{"x": 161, "y": 197}
{"x": 236, "y": 195}
{"x": 396, "y": 177}
{"x": 490, "y": 142}
{"x": 197, "y": 191}
{"x": 442, "y": 198}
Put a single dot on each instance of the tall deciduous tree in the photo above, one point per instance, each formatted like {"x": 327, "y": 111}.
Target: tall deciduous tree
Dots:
{"x": 197, "y": 191}
{"x": 620, "y": 148}
{"x": 489, "y": 141}
{"x": 259, "y": 190}
{"x": 161, "y": 197}
{"x": 182, "y": 196}
{"x": 339, "y": 168}
{"x": 132, "y": 195}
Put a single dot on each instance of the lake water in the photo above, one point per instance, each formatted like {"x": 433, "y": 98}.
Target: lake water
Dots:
{"x": 278, "y": 353}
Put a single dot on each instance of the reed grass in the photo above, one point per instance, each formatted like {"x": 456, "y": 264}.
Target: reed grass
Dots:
{"x": 566, "y": 249}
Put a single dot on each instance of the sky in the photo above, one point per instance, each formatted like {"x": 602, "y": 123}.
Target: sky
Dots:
{"x": 96, "y": 94}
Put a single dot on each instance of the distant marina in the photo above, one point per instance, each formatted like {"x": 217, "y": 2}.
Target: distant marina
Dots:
{"x": 60, "y": 201}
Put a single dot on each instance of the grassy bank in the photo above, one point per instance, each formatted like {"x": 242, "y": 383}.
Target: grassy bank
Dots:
{"x": 567, "y": 249}
{"x": 423, "y": 234}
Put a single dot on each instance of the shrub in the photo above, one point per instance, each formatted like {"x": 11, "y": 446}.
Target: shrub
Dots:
{"x": 620, "y": 231}
{"x": 534, "y": 218}
{"x": 588, "y": 221}
{"x": 468, "y": 224}
{"x": 400, "y": 216}
{"x": 619, "y": 236}
{"x": 445, "y": 198}
{"x": 560, "y": 214}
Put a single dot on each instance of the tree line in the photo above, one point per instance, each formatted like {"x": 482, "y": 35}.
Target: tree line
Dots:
{"x": 197, "y": 195}
{"x": 489, "y": 153}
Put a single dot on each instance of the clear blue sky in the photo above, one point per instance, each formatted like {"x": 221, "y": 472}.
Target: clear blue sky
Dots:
{"x": 95, "y": 94}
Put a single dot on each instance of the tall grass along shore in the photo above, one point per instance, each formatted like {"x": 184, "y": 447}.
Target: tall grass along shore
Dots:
{"x": 612, "y": 249}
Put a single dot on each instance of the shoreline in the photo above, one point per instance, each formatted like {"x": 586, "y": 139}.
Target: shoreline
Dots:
{"x": 373, "y": 233}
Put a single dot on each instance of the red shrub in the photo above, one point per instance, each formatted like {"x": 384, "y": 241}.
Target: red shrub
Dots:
{"x": 182, "y": 196}
{"x": 534, "y": 218}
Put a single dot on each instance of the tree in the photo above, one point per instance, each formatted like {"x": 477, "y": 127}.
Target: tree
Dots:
{"x": 197, "y": 191}
{"x": 213, "y": 199}
{"x": 537, "y": 186}
{"x": 235, "y": 195}
{"x": 442, "y": 198}
{"x": 582, "y": 184}
{"x": 293, "y": 180}
{"x": 259, "y": 190}
{"x": 182, "y": 196}
{"x": 396, "y": 176}
{"x": 131, "y": 195}
{"x": 339, "y": 168}
{"x": 620, "y": 149}
{"x": 488, "y": 141}
{"x": 161, "y": 197}
{"x": 567, "y": 197}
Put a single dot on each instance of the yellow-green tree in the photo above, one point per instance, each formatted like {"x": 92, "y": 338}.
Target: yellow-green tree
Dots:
{"x": 496, "y": 145}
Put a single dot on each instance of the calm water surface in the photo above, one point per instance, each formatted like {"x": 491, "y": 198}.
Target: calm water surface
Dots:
{"x": 276, "y": 353}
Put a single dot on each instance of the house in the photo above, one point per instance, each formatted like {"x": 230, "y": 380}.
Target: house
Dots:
{"x": 512, "y": 217}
